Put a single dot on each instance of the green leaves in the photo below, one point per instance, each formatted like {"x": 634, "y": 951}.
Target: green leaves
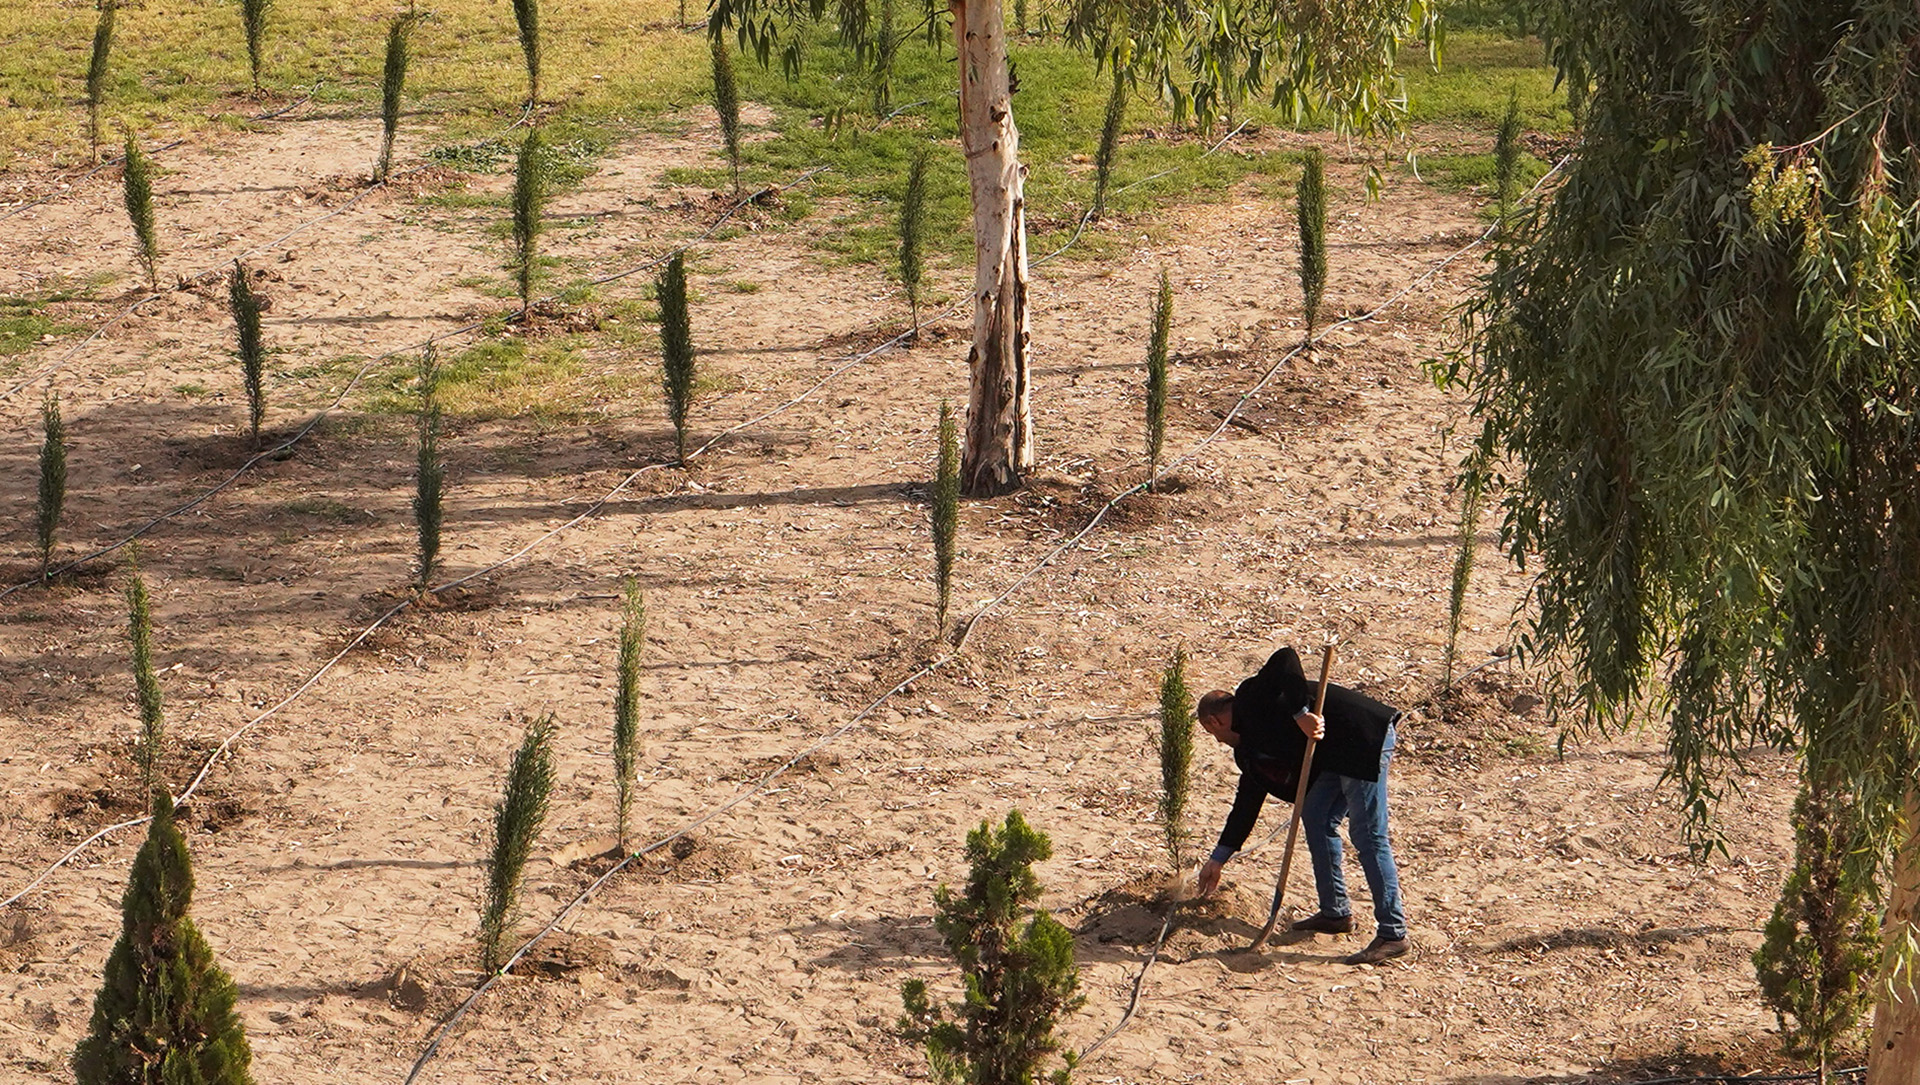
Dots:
{"x": 676, "y": 348}
{"x": 517, "y": 819}
{"x": 1176, "y": 752}
{"x": 53, "y": 478}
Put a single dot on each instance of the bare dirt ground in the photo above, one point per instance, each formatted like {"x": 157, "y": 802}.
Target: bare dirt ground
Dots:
{"x": 1563, "y": 934}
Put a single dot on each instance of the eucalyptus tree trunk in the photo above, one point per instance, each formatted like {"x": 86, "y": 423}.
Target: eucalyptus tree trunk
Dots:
{"x": 1894, "y": 1056}
{"x": 999, "y": 442}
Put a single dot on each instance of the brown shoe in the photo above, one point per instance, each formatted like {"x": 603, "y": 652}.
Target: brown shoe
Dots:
{"x": 1378, "y": 950}
{"x": 1322, "y": 923}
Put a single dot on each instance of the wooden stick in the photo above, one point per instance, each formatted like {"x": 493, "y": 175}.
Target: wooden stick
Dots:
{"x": 1299, "y": 800}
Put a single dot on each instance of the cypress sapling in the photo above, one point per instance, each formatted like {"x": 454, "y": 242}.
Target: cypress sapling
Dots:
{"x": 253, "y": 17}
{"x": 1157, "y": 377}
{"x": 146, "y": 685}
{"x": 526, "y": 13}
{"x": 1110, "y": 127}
{"x": 1472, "y": 491}
{"x": 430, "y": 478}
{"x": 726, "y": 102}
{"x": 1016, "y": 965}
{"x": 676, "y": 348}
{"x": 393, "y": 83}
{"x": 886, "y": 47}
{"x": 516, "y": 826}
{"x": 527, "y": 16}
{"x": 626, "y": 704}
{"x": 1020, "y": 16}
{"x": 165, "y": 1010}
{"x": 946, "y": 512}
{"x": 53, "y": 477}
{"x": 529, "y": 202}
{"x": 97, "y": 71}
{"x": 1311, "y": 209}
{"x": 245, "y": 306}
{"x": 1176, "y": 752}
{"x": 137, "y": 193}
{"x": 913, "y": 233}
{"x": 1506, "y": 158}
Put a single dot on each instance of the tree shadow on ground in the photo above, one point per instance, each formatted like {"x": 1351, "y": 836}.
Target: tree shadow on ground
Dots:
{"x": 1758, "y": 1064}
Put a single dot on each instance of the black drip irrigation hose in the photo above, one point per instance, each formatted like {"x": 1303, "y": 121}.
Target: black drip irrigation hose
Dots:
{"x": 445, "y": 1025}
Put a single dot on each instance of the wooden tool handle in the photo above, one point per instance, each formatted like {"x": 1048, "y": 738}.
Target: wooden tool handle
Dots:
{"x": 1299, "y": 799}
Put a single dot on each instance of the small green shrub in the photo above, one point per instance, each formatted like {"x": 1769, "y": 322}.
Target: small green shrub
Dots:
{"x": 245, "y": 307}
{"x": 726, "y": 102}
{"x": 253, "y": 17}
{"x": 626, "y": 704}
{"x": 1016, "y": 964}
{"x": 53, "y": 478}
{"x": 526, "y": 15}
{"x": 1310, "y": 205}
{"x": 676, "y": 348}
{"x": 430, "y": 474}
{"x": 137, "y": 194}
{"x": 146, "y": 684}
{"x": 913, "y": 233}
{"x": 1110, "y": 128}
{"x": 97, "y": 71}
{"x": 516, "y": 827}
{"x": 165, "y": 1010}
{"x": 945, "y": 513}
{"x": 393, "y": 84}
{"x": 529, "y": 204}
{"x": 1157, "y": 376}
{"x": 1176, "y": 753}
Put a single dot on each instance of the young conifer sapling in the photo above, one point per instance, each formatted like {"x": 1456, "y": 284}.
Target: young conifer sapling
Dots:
{"x": 97, "y": 71}
{"x": 1176, "y": 752}
{"x": 1157, "y": 362}
{"x": 393, "y": 84}
{"x": 1110, "y": 128}
{"x": 676, "y": 349}
{"x": 1310, "y": 206}
{"x": 137, "y": 194}
{"x": 626, "y": 704}
{"x": 253, "y": 18}
{"x": 946, "y": 513}
{"x": 529, "y": 203}
{"x": 913, "y": 233}
{"x": 165, "y": 1008}
{"x": 146, "y": 684}
{"x": 245, "y": 306}
{"x": 526, "y": 14}
{"x": 516, "y": 827}
{"x": 430, "y": 474}
{"x": 53, "y": 478}
{"x": 726, "y": 102}
{"x": 1016, "y": 964}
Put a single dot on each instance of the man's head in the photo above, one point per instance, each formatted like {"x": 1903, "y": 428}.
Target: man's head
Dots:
{"x": 1215, "y": 712}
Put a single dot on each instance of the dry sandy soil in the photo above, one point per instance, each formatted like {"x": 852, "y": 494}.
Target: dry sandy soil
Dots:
{"x": 1562, "y": 932}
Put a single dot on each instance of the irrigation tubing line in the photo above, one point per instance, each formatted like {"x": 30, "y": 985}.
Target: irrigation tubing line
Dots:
{"x": 117, "y": 159}
{"x": 283, "y": 447}
{"x": 446, "y": 1024}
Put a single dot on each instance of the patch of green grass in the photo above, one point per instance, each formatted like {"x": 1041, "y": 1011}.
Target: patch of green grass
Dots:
{"x": 22, "y": 327}
{"x": 192, "y": 390}
{"x": 744, "y": 286}
{"x": 546, "y": 381}
{"x": 1480, "y": 68}
{"x": 1475, "y": 172}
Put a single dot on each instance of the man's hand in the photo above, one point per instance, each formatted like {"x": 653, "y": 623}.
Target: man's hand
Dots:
{"x": 1312, "y": 725}
{"x": 1209, "y": 879}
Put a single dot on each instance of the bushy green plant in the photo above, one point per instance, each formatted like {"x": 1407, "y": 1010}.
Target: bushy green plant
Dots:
{"x": 1506, "y": 157}
{"x": 97, "y": 71}
{"x": 1016, "y": 963}
{"x": 529, "y": 204}
{"x": 245, "y": 306}
{"x": 137, "y": 193}
{"x": 393, "y": 84}
{"x": 253, "y": 17}
{"x": 726, "y": 102}
{"x": 1157, "y": 376}
{"x": 146, "y": 684}
{"x": 1821, "y": 944}
{"x": 164, "y": 1014}
{"x": 1110, "y": 128}
{"x": 886, "y": 49}
{"x": 913, "y": 233}
{"x": 676, "y": 348}
{"x": 626, "y": 704}
{"x": 53, "y": 478}
{"x": 945, "y": 509}
{"x": 430, "y": 475}
{"x": 526, "y": 15}
{"x": 516, "y": 827}
{"x": 1310, "y": 206}
{"x": 1176, "y": 752}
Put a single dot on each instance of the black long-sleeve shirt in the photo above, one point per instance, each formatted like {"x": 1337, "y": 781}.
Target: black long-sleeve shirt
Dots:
{"x": 1271, "y": 745}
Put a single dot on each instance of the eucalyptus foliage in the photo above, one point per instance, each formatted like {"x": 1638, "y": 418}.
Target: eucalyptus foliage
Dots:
{"x": 626, "y": 704}
{"x": 53, "y": 478}
{"x": 676, "y": 349}
{"x": 517, "y": 819}
{"x": 1016, "y": 965}
{"x": 251, "y": 348}
{"x": 1157, "y": 359}
{"x": 393, "y": 83}
{"x": 1176, "y": 752}
{"x": 136, "y": 190}
{"x": 1701, "y": 357}
{"x": 945, "y": 513}
{"x": 97, "y": 70}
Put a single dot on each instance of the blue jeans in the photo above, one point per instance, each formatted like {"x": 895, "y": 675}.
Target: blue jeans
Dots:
{"x": 1364, "y": 804}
